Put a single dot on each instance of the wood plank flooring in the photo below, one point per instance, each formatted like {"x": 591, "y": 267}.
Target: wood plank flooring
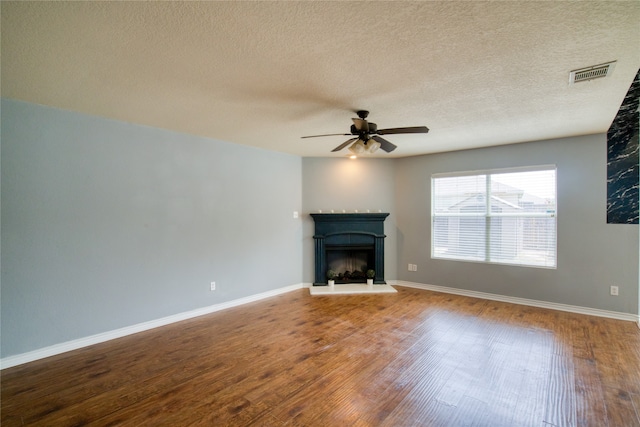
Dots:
{"x": 415, "y": 358}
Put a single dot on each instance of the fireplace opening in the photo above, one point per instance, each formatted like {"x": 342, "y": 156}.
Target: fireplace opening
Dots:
{"x": 350, "y": 264}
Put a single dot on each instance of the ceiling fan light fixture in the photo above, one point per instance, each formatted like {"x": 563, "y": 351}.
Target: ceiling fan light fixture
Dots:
{"x": 357, "y": 147}
{"x": 372, "y": 146}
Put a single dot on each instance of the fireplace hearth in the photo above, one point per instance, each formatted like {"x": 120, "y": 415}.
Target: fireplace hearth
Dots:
{"x": 349, "y": 244}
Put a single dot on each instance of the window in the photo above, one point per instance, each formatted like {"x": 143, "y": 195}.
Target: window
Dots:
{"x": 499, "y": 216}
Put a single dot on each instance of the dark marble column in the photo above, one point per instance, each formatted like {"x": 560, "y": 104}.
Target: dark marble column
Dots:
{"x": 623, "y": 177}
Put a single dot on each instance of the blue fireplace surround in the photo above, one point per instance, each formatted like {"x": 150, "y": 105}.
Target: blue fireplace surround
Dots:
{"x": 349, "y": 231}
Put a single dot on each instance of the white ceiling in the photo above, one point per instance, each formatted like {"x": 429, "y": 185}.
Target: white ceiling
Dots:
{"x": 266, "y": 73}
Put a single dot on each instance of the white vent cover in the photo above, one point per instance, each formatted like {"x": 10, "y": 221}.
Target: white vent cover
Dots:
{"x": 590, "y": 73}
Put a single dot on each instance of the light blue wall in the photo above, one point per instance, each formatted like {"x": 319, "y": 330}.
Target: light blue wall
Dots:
{"x": 592, "y": 255}
{"x": 107, "y": 224}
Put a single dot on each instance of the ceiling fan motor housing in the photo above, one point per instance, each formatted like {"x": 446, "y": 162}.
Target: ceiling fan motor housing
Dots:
{"x": 370, "y": 128}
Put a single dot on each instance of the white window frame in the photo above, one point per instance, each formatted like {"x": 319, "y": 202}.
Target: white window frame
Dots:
{"x": 488, "y": 214}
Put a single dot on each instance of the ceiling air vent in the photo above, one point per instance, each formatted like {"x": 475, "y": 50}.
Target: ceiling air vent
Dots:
{"x": 590, "y": 73}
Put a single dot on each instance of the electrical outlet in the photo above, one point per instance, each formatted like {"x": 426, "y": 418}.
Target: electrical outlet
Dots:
{"x": 213, "y": 286}
{"x": 410, "y": 268}
{"x": 614, "y": 290}
{"x": 295, "y": 214}
{"x": 415, "y": 267}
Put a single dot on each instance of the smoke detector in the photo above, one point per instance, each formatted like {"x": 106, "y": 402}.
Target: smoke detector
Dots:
{"x": 590, "y": 73}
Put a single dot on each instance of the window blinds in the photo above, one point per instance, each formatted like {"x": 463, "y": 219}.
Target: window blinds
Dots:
{"x": 506, "y": 217}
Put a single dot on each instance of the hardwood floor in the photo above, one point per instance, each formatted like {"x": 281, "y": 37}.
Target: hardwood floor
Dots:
{"x": 415, "y": 358}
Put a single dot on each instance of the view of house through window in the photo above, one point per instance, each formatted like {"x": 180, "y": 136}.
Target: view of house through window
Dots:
{"x": 498, "y": 216}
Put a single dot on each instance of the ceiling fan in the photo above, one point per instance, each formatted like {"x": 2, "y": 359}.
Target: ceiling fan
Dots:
{"x": 367, "y": 135}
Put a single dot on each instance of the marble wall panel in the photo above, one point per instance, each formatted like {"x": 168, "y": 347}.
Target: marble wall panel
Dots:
{"x": 623, "y": 170}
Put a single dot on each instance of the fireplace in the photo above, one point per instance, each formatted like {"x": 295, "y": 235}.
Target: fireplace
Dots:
{"x": 349, "y": 244}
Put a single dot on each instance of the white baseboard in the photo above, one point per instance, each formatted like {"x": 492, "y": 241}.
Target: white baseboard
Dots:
{"x": 522, "y": 301}
{"x": 30, "y": 356}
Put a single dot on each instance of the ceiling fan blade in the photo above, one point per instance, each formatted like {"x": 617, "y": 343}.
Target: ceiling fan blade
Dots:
{"x": 361, "y": 125}
{"x": 384, "y": 144}
{"x": 414, "y": 129}
{"x": 328, "y": 134}
{"x": 344, "y": 144}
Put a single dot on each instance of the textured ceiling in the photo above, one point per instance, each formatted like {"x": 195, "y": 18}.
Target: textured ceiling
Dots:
{"x": 265, "y": 73}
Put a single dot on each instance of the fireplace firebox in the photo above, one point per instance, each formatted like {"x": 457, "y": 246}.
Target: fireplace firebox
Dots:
{"x": 349, "y": 244}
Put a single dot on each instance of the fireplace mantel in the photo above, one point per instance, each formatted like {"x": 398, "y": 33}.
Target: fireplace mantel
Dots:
{"x": 348, "y": 230}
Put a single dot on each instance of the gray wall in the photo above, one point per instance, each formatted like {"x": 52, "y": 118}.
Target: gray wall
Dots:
{"x": 342, "y": 183}
{"x": 107, "y": 224}
{"x": 592, "y": 255}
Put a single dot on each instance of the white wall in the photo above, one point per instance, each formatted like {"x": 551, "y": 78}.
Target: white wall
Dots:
{"x": 107, "y": 224}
